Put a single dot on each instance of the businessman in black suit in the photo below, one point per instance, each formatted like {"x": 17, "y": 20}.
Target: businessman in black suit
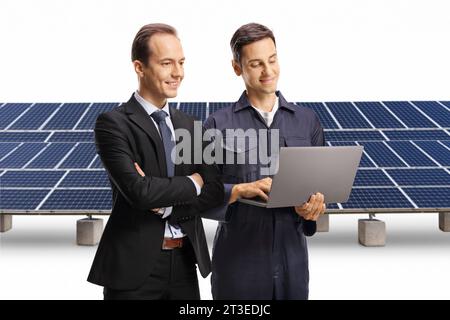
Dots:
{"x": 154, "y": 236}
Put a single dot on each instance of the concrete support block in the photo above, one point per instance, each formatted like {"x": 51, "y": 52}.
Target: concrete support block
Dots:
{"x": 323, "y": 223}
{"x": 89, "y": 231}
{"x": 5, "y": 222}
{"x": 371, "y": 232}
{"x": 444, "y": 221}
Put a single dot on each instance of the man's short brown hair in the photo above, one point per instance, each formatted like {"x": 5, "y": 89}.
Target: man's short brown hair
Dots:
{"x": 140, "y": 49}
{"x": 247, "y": 34}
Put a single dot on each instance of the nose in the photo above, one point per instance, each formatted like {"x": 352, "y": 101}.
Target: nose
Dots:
{"x": 177, "y": 71}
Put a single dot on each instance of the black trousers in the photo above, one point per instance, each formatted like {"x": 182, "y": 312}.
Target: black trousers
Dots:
{"x": 174, "y": 277}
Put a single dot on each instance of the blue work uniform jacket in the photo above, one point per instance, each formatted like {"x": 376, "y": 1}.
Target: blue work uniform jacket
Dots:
{"x": 260, "y": 253}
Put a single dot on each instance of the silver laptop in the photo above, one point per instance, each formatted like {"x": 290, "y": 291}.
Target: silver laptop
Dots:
{"x": 304, "y": 171}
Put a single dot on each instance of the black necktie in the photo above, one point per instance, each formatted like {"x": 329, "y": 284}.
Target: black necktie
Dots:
{"x": 166, "y": 135}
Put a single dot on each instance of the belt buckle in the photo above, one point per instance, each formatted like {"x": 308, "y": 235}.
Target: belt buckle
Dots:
{"x": 166, "y": 243}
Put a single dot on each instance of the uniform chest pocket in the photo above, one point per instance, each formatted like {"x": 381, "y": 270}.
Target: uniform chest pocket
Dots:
{"x": 240, "y": 160}
{"x": 296, "y": 141}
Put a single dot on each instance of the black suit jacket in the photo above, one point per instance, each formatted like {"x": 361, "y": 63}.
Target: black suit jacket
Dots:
{"x": 132, "y": 239}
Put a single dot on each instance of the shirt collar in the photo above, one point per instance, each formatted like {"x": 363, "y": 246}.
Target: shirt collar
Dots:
{"x": 243, "y": 102}
{"x": 149, "y": 107}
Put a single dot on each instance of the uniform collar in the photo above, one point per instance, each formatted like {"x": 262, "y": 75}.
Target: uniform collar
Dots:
{"x": 243, "y": 102}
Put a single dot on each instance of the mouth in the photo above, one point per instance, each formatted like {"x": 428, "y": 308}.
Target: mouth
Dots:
{"x": 267, "y": 80}
{"x": 172, "y": 84}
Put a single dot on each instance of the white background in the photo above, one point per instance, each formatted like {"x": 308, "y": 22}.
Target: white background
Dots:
{"x": 64, "y": 51}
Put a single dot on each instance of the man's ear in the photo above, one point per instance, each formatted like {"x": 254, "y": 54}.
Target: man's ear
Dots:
{"x": 236, "y": 67}
{"x": 138, "y": 68}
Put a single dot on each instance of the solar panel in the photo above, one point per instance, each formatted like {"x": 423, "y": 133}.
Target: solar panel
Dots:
{"x": 7, "y": 136}
{"x": 67, "y": 116}
{"x": 35, "y": 117}
{"x": 31, "y": 179}
{"x": 347, "y": 115}
{"x": 10, "y": 111}
{"x": 436, "y": 150}
{"x": 86, "y": 179}
{"x": 88, "y": 120}
{"x": 381, "y": 154}
{"x": 408, "y": 114}
{"x": 82, "y": 199}
{"x": 434, "y": 110}
{"x": 72, "y": 137}
{"x": 367, "y": 178}
{"x": 347, "y": 135}
{"x": 412, "y": 155}
{"x": 377, "y": 198}
{"x": 378, "y": 115}
{"x": 6, "y": 148}
{"x": 51, "y": 156}
{"x": 326, "y": 120}
{"x": 196, "y": 109}
{"x": 430, "y": 197}
{"x": 80, "y": 158}
{"x": 19, "y": 199}
{"x": 22, "y": 155}
{"x": 401, "y": 166}
{"x": 420, "y": 177}
{"x": 416, "y": 134}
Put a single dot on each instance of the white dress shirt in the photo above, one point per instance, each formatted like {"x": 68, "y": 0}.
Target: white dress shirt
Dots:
{"x": 171, "y": 231}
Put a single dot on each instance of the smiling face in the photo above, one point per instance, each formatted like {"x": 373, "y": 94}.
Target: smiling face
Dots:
{"x": 259, "y": 67}
{"x": 161, "y": 77}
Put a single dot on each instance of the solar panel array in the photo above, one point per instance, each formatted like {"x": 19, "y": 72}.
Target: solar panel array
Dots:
{"x": 48, "y": 160}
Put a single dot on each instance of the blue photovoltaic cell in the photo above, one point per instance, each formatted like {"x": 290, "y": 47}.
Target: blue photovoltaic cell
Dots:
{"x": 89, "y": 118}
{"x": 435, "y": 111}
{"x": 437, "y": 151}
{"x": 416, "y": 134}
{"x": 378, "y": 115}
{"x": 325, "y": 118}
{"x": 447, "y": 143}
{"x": 420, "y": 177}
{"x": 23, "y": 136}
{"x": 51, "y": 156}
{"x": 376, "y": 198}
{"x": 22, "y": 155}
{"x": 332, "y": 206}
{"x": 196, "y": 109}
{"x": 214, "y": 106}
{"x": 35, "y": 117}
{"x": 86, "y": 179}
{"x": 365, "y": 161}
{"x": 67, "y": 116}
{"x": 429, "y": 197}
{"x": 408, "y": 114}
{"x": 72, "y": 137}
{"x": 31, "y": 179}
{"x": 16, "y": 199}
{"x": 346, "y": 114}
{"x": 173, "y": 105}
{"x": 10, "y": 111}
{"x": 78, "y": 200}
{"x": 81, "y": 157}
{"x": 368, "y": 178}
{"x": 413, "y": 156}
{"x": 97, "y": 164}
{"x": 353, "y": 135}
{"x": 6, "y": 148}
{"x": 381, "y": 154}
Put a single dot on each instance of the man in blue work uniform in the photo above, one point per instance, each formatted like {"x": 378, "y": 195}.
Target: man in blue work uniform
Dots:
{"x": 261, "y": 253}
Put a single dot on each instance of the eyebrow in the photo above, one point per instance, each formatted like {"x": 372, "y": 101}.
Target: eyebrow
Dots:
{"x": 255, "y": 60}
{"x": 170, "y": 59}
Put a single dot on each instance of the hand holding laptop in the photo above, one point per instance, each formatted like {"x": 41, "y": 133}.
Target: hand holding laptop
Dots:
{"x": 312, "y": 209}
